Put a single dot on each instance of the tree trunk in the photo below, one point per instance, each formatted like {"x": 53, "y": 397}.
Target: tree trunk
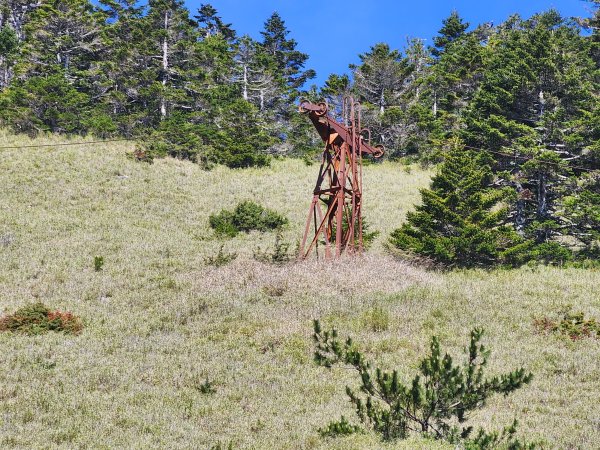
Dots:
{"x": 245, "y": 85}
{"x": 5, "y": 75}
{"x": 165, "y": 68}
{"x": 262, "y": 99}
{"x": 542, "y": 197}
{"x": 520, "y": 211}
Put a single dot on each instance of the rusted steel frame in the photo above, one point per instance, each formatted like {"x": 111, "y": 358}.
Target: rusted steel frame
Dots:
{"x": 324, "y": 123}
{"x": 355, "y": 149}
{"x": 320, "y": 229}
{"x": 327, "y": 243}
{"x": 312, "y": 211}
{"x": 360, "y": 176}
{"x": 339, "y": 184}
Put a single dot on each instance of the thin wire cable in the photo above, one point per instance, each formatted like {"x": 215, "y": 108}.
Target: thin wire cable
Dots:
{"x": 64, "y": 144}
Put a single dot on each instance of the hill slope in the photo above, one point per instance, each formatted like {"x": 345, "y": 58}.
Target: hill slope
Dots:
{"x": 159, "y": 322}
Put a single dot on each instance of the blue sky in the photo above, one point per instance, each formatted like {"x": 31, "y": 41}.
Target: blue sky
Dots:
{"x": 334, "y": 32}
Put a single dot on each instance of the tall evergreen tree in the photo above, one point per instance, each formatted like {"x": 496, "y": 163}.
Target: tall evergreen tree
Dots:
{"x": 170, "y": 35}
{"x": 462, "y": 219}
{"x": 255, "y": 74}
{"x": 211, "y": 24}
{"x": 379, "y": 82}
{"x": 9, "y": 44}
{"x": 537, "y": 93}
{"x": 453, "y": 29}
{"x": 335, "y": 90}
{"x": 51, "y": 89}
{"x": 289, "y": 61}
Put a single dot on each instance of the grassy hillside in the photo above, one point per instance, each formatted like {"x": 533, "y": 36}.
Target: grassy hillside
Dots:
{"x": 159, "y": 321}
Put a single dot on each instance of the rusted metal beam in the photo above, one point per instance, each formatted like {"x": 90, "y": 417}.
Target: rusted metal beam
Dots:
{"x": 339, "y": 183}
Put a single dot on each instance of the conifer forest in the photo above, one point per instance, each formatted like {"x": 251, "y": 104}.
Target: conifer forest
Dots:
{"x": 155, "y": 175}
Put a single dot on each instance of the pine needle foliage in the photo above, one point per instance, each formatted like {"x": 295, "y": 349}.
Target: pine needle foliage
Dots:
{"x": 247, "y": 216}
{"x": 442, "y": 394}
{"x": 572, "y": 324}
{"x": 37, "y": 318}
{"x": 278, "y": 256}
{"x": 461, "y": 221}
{"x": 222, "y": 258}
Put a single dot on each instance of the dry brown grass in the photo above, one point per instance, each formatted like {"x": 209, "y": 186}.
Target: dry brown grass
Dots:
{"x": 159, "y": 322}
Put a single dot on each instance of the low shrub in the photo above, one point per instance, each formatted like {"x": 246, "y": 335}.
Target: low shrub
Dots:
{"x": 341, "y": 428}
{"x": 142, "y": 154}
{"x": 37, "y": 318}
{"x": 98, "y": 263}
{"x": 570, "y": 324}
{"x": 247, "y": 216}
{"x": 220, "y": 259}
{"x": 279, "y": 255}
{"x": 433, "y": 403}
{"x": 207, "y": 387}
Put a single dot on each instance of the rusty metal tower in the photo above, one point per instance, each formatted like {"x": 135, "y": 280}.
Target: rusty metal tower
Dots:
{"x": 334, "y": 217}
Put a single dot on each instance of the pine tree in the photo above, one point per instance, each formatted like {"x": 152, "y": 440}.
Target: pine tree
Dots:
{"x": 170, "y": 38}
{"x": 455, "y": 75}
{"x": 453, "y": 29}
{"x": 51, "y": 87}
{"x": 254, "y": 74}
{"x": 8, "y": 52}
{"x": 380, "y": 77}
{"x": 62, "y": 36}
{"x": 379, "y": 82}
{"x": 122, "y": 70}
{"x": 462, "y": 219}
{"x": 440, "y": 396}
{"x": 211, "y": 24}
{"x": 289, "y": 61}
{"x": 335, "y": 90}
{"x": 533, "y": 111}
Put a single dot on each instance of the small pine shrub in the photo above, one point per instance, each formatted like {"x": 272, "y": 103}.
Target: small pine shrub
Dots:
{"x": 247, "y": 216}
{"x": 279, "y": 255}
{"x": 37, "y": 318}
{"x": 207, "y": 387}
{"x": 440, "y": 396}
{"x": 341, "y": 428}
{"x": 142, "y": 154}
{"x": 571, "y": 324}
{"x": 98, "y": 263}
{"x": 220, "y": 259}
{"x": 275, "y": 290}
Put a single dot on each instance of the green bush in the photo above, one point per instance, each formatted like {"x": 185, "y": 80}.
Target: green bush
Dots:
{"x": 433, "y": 403}
{"x": 220, "y": 259}
{"x": 247, "y": 216}
{"x": 37, "y": 318}
{"x": 571, "y": 324}
{"x": 98, "y": 263}
{"x": 279, "y": 255}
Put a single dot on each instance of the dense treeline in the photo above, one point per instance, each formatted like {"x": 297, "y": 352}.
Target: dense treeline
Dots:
{"x": 185, "y": 82}
{"x": 512, "y": 109}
